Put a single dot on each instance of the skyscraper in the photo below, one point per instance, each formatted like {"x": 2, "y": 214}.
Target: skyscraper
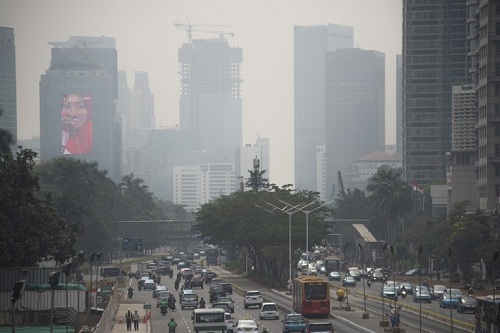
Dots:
{"x": 486, "y": 29}
{"x": 210, "y": 102}
{"x": 77, "y": 103}
{"x": 8, "y": 120}
{"x": 311, "y": 43}
{"x": 434, "y": 59}
{"x": 355, "y": 109}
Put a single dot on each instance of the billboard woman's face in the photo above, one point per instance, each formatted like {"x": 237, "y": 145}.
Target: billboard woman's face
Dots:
{"x": 74, "y": 112}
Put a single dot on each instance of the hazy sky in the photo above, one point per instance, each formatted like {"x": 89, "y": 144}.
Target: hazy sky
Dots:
{"x": 147, "y": 40}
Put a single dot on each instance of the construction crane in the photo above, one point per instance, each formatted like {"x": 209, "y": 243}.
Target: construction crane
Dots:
{"x": 341, "y": 184}
{"x": 189, "y": 28}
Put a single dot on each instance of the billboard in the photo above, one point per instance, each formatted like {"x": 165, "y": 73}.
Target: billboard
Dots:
{"x": 132, "y": 244}
{"x": 76, "y": 120}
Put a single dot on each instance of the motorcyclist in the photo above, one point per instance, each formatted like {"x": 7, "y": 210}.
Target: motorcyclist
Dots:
{"x": 403, "y": 291}
{"x": 171, "y": 274}
{"x": 130, "y": 292}
{"x": 163, "y": 306}
{"x": 171, "y": 302}
{"x": 176, "y": 285}
{"x": 172, "y": 325}
{"x": 202, "y": 303}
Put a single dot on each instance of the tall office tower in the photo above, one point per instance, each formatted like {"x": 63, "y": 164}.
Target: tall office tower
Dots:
{"x": 210, "y": 102}
{"x": 143, "y": 116}
{"x": 488, "y": 102}
{"x": 460, "y": 169}
{"x": 77, "y": 103}
{"x": 310, "y": 46}
{"x": 355, "y": 109}
{"x": 123, "y": 109}
{"x": 245, "y": 158}
{"x": 8, "y": 120}
{"x": 399, "y": 105}
{"x": 434, "y": 59}
{"x": 198, "y": 184}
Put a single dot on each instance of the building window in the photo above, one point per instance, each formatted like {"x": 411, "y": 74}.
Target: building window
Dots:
{"x": 497, "y": 170}
{"x": 497, "y": 150}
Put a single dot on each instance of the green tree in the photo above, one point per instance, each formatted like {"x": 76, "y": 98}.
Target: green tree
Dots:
{"x": 391, "y": 197}
{"x": 84, "y": 195}
{"x": 31, "y": 229}
{"x": 353, "y": 205}
{"x": 6, "y": 139}
{"x": 140, "y": 203}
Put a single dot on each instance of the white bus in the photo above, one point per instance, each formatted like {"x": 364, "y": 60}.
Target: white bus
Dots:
{"x": 209, "y": 320}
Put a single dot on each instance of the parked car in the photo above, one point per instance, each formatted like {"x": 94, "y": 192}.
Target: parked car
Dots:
{"x": 448, "y": 301}
{"x": 320, "y": 326}
{"x": 467, "y": 304}
{"x": 253, "y": 298}
{"x": 293, "y": 322}
{"x": 349, "y": 281}
{"x": 334, "y": 276}
{"x": 269, "y": 311}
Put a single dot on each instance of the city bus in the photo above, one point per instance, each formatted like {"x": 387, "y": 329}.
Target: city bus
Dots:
{"x": 311, "y": 296}
{"x": 212, "y": 256}
{"x": 332, "y": 264}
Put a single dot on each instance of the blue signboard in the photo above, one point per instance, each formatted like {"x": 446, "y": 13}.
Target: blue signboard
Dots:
{"x": 132, "y": 244}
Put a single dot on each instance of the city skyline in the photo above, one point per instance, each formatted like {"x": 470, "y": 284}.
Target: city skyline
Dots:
{"x": 149, "y": 41}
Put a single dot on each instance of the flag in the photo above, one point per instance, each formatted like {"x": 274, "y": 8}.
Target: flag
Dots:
{"x": 417, "y": 187}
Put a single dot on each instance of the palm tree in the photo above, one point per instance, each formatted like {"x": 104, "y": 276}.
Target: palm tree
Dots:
{"x": 391, "y": 196}
{"x": 6, "y": 139}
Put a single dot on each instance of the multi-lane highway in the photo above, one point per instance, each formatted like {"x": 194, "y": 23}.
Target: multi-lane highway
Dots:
{"x": 343, "y": 321}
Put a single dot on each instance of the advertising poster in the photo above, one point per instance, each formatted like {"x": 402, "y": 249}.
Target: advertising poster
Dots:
{"x": 76, "y": 119}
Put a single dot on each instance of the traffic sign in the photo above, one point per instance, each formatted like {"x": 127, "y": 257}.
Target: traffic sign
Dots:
{"x": 146, "y": 306}
{"x": 132, "y": 244}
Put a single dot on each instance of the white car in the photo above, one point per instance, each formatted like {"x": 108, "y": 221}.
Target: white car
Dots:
{"x": 269, "y": 311}
{"x": 249, "y": 326}
{"x": 253, "y": 298}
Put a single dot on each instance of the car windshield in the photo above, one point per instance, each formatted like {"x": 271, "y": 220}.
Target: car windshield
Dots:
{"x": 294, "y": 318}
{"x": 253, "y": 293}
{"x": 269, "y": 307}
{"x": 388, "y": 289}
{"x": 321, "y": 328}
{"x": 315, "y": 291}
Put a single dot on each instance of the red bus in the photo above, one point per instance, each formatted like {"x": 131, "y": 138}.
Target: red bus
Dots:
{"x": 311, "y": 296}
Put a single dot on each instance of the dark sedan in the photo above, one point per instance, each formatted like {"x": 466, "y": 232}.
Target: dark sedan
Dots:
{"x": 466, "y": 304}
{"x": 228, "y": 288}
{"x": 197, "y": 282}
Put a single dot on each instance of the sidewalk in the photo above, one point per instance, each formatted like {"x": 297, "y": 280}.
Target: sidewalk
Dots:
{"x": 352, "y": 318}
{"x": 120, "y": 317}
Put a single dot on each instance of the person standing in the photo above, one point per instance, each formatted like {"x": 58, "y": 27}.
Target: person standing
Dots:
{"x": 128, "y": 320}
{"x": 135, "y": 318}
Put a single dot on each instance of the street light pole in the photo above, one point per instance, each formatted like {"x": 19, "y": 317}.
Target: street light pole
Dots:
{"x": 307, "y": 224}
{"x": 92, "y": 258}
{"x": 420, "y": 286}
{"x": 449, "y": 273}
{"x": 365, "y": 314}
{"x": 495, "y": 257}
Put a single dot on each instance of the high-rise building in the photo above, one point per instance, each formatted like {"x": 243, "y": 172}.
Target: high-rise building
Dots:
{"x": 487, "y": 80}
{"x": 198, "y": 184}
{"x": 399, "y": 105}
{"x": 78, "y": 94}
{"x": 245, "y": 156}
{"x": 311, "y": 43}
{"x": 8, "y": 120}
{"x": 434, "y": 59}
{"x": 355, "y": 109}
{"x": 210, "y": 102}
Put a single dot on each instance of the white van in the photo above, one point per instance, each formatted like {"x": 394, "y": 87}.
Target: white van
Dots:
{"x": 213, "y": 320}
{"x": 189, "y": 299}
{"x": 149, "y": 284}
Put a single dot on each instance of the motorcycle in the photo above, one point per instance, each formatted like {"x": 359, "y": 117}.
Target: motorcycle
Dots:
{"x": 163, "y": 310}
{"x": 171, "y": 330}
{"x": 172, "y": 306}
{"x": 368, "y": 283}
{"x": 202, "y": 305}
{"x": 130, "y": 294}
{"x": 403, "y": 293}
{"x": 139, "y": 287}
{"x": 171, "y": 274}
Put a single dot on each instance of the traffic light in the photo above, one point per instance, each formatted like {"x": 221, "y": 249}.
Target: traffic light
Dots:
{"x": 54, "y": 279}
{"x": 81, "y": 256}
{"x": 18, "y": 290}
{"x": 92, "y": 257}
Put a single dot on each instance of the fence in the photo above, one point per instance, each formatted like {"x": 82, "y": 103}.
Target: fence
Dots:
{"x": 106, "y": 323}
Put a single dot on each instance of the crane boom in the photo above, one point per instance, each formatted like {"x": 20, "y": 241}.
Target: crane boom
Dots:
{"x": 341, "y": 183}
{"x": 189, "y": 28}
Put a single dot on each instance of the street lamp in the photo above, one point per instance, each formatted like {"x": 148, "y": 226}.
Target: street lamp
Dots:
{"x": 290, "y": 210}
{"x": 16, "y": 295}
{"x": 98, "y": 256}
{"x": 67, "y": 271}
{"x": 495, "y": 257}
{"x": 79, "y": 258}
{"x": 307, "y": 224}
{"x": 346, "y": 287}
{"x": 92, "y": 258}
{"x": 365, "y": 315}
{"x": 449, "y": 274}
{"x": 420, "y": 286}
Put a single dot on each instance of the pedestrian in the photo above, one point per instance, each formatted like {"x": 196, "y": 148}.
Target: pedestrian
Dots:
{"x": 128, "y": 320}
{"x": 135, "y": 318}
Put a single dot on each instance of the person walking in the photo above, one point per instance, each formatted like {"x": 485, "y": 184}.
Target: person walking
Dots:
{"x": 128, "y": 320}
{"x": 135, "y": 318}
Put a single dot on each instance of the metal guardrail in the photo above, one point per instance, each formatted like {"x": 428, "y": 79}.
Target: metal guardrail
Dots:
{"x": 105, "y": 325}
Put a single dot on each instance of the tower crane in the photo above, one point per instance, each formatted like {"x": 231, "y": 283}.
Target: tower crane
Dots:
{"x": 189, "y": 28}
{"x": 341, "y": 184}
